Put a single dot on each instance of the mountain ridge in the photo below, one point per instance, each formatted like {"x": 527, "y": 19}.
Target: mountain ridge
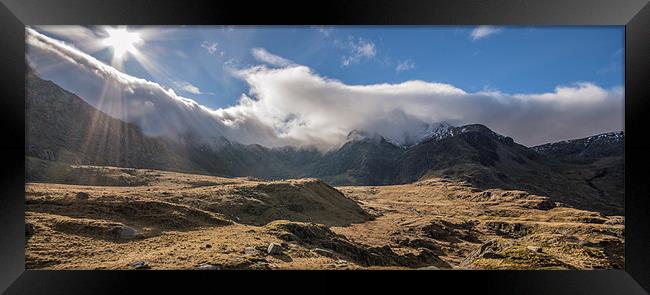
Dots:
{"x": 63, "y": 129}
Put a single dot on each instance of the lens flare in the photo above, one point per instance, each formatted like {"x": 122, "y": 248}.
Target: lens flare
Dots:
{"x": 122, "y": 41}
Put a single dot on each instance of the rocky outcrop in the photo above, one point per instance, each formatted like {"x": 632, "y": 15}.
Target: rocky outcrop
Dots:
{"x": 319, "y": 236}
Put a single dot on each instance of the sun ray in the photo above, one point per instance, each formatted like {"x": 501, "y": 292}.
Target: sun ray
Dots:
{"x": 121, "y": 41}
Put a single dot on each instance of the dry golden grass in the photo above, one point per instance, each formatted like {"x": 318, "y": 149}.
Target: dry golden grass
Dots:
{"x": 186, "y": 221}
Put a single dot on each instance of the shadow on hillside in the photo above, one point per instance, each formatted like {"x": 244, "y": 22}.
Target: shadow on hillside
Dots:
{"x": 578, "y": 188}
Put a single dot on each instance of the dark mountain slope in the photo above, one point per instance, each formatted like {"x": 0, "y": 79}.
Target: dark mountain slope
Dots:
{"x": 475, "y": 154}
{"x": 598, "y": 160}
{"x": 372, "y": 161}
{"x": 470, "y": 145}
{"x": 586, "y": 149}
{"x": 62, "y": 127}
{"x": 586, "y": 173}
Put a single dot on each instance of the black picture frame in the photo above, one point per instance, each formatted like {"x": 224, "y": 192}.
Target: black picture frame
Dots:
{"x": 633, "y": 14}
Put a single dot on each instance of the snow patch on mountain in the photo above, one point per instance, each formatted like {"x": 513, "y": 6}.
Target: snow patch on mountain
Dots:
{"x": 605, "y": 138}
{"x": 434, "y": 131}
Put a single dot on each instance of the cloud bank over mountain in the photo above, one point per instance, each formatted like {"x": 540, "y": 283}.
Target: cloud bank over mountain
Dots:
{"x": 290, "y": 104}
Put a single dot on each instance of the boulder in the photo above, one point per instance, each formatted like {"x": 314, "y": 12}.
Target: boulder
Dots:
{"x": 126, "y": 232}
{"x": 324, "y": 252}
{"x": 207, "y": 267}
{"x": 489, "y": 249}
{"x": 274, "y": 249}
{"x": 139, "y": 265}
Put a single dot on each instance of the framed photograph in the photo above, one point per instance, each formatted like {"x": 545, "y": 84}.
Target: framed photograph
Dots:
{"x": 150, "y": 143}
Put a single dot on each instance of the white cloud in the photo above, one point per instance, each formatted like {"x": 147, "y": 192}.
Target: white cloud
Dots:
{"x": 310, "y": 108}
{"x": 84, "y": 37}
{"x": 483, "y": 31}
{"x": 211, "y": 47}
{"x": 360, "y": 49}
{"x": 294, "y": 105}
{"x": 404, "y": 65}
{"x": 156, "y": 110}
{"x": 326, "y": 31}
{"x": 264, "y": 56}
{"x": 366, "y": 49}
{"x": 189, "y": 88}
{"x": 69, "y": 32}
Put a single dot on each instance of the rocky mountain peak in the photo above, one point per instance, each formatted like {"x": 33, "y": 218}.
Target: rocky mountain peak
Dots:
{"x": 360, "y": 135}
{"x": 600, "y": 145}
{"x": 433, "y": 131}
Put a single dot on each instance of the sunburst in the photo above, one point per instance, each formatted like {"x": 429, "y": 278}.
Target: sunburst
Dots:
{"x": 122, "y": 42}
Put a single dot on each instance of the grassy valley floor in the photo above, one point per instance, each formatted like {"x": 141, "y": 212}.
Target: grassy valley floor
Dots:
{"x": 150, "y": 219}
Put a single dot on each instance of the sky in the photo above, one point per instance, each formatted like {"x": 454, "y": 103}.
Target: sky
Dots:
{"x": 312, "y": 85}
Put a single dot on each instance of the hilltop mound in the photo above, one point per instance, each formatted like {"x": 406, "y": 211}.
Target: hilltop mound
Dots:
{"x": 259, "y": 202}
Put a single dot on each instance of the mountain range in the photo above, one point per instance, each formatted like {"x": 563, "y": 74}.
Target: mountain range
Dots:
{"x": 63, "y": 129}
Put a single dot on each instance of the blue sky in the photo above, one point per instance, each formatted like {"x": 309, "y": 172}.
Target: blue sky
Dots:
{"x": 507, "y": 59}
{"x": 313, "y": 85}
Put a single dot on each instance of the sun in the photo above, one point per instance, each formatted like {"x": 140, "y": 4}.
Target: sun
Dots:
{"x": 122, "y": 41}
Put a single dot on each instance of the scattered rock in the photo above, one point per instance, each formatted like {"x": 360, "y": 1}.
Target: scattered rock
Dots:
{"x": 140, "y": 265}
{"x": 126, "y": 232}
{"x": 418, "y": 243}
{"x": 337, "y": 264}
{"x": 207, "y": 246}
{"x": 324, "y": 252}
{"x": 82, "y": 196}
{"x": 207, "y": 267}
{"x": 451, "y": 232}
{"x": 320, "y": 236}
{"x": 512, "y": 230}
{"x": 29, "y": 229}
{"x": 489, "y": 249}
{"x": 535, "y": 249}
{"x": 251, "y": 251}
{"x": 274, "y": 249}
